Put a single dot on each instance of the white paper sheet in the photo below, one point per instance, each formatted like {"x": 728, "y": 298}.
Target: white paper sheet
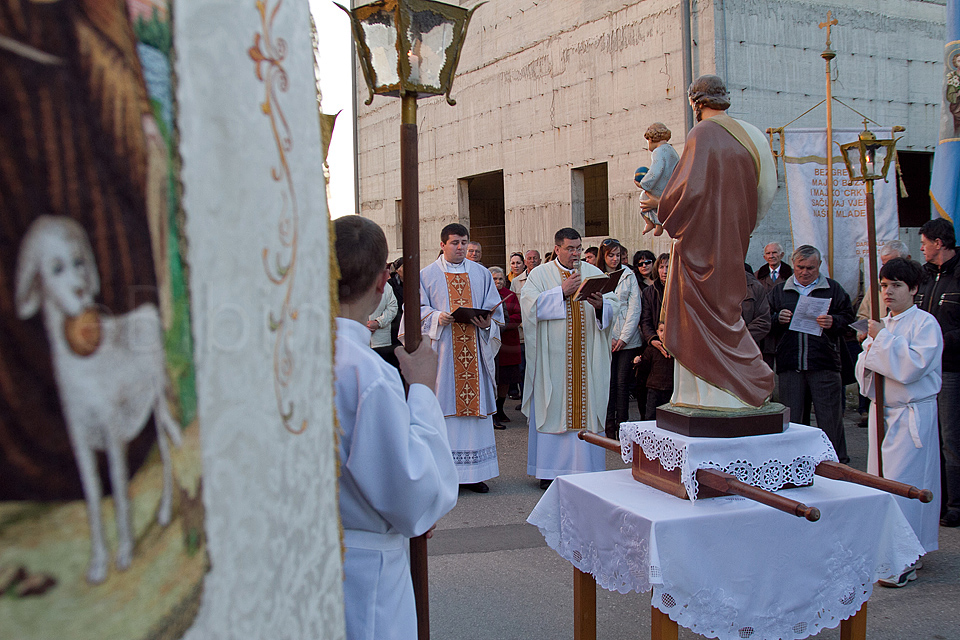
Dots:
{"x": 805, "y": 315}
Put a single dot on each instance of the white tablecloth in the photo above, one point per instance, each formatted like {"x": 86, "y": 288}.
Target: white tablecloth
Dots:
{"x": 769, "y": 461}
{"x": 730, "y": 567}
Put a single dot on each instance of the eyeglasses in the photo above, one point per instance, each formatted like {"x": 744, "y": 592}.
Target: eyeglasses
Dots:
{"x": 645, "y": 263}
{"x": 608, "y": 242}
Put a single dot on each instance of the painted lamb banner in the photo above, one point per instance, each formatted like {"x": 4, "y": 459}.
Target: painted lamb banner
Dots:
{"x": 164, "y": 469}
{"x": 806, "y": 172}
{"x": 101, "y": 518}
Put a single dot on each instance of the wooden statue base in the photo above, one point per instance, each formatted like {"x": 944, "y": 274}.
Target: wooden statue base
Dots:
{"x": 652, "y": 473}
{"x": 772, "y": 417}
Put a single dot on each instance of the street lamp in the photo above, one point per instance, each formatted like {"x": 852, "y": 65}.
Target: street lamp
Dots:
{"x": 410, "y": 49}
{"x": 409, "y": 46}
{"x": 868, "y": 159}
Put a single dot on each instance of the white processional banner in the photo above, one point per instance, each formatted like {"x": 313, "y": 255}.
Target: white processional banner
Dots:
{"x": 257, "y": 228}
{"x": 806, "y": 175}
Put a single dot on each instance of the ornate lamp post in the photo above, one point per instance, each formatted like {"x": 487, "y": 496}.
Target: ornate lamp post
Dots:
{"x": 868, "y": 159}
{"x": 410, "y": 49}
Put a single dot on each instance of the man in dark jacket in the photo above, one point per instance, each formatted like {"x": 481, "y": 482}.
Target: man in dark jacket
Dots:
{"x": 755, "y": 310}
{"x": 809, "y": 364}
{"x": 770, "y": 275}
{"x": 939, "y": 295}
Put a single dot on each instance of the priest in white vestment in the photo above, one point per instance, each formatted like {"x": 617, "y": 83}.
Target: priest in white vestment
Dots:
{"x": 397, "y": 475}
{"x": 906, "y": 348}
{"x": 567, "y": 381}
{"x": 466, "y": 376}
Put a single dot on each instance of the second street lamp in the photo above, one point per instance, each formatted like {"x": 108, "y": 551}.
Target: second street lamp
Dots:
{"x": 868, "y": 159}
{"x": 410, "y": 49}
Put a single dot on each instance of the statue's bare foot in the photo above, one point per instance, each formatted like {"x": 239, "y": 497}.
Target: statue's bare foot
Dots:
{"x": 659, "y": 231}
{"x": 647, "y": 227}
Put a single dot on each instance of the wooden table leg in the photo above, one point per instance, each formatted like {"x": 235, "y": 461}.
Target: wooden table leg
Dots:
{"x": 855, "y": 627}
{"x": 661, "y": 626}
{"x": 584, "y": 606}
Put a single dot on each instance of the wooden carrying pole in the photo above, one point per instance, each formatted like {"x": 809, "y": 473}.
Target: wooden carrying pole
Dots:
{"x": 410, "y": 226}
{"x": 725, "y": 483}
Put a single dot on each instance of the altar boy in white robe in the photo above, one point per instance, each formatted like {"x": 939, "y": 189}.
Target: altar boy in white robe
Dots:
{"x": 466, "y": 374}
{"x": 397, "y": 475}
{"x": 567, "y": 381}
{"x": 906, "y": 348}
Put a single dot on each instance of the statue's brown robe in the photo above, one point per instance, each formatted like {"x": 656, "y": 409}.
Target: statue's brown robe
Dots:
{"x": 709, "y": 208}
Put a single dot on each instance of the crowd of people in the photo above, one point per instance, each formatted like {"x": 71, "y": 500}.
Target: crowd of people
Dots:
{"x": 526, "y": 330}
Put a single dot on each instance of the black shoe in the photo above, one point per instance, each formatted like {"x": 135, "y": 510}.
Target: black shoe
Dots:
{"x": 544, "y": 484}
{"x": 864, "y": 420}
{"x": 519, "y": 407}
{"x": 950, "y": 519}
{"x": 514, "y": 396}
{"x": 501, "y": 417}
{"x": 477, "y": 487}
{"x": 498, "y": 426}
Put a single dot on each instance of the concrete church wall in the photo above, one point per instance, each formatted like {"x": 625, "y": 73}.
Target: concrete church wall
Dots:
{"x": 546, "y": 87}
{"x": 888, "y": 67}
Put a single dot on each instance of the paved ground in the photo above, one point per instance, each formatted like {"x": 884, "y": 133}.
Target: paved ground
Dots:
{"x": 493, "y": 577}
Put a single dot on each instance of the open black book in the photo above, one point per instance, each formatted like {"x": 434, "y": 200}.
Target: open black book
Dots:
{"x": 601, "y": 283}
{"x": 465, "y": 315}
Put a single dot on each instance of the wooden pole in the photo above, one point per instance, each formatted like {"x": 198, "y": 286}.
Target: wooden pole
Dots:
{"x": 875, "y": 314}
{"x": 828, "y": 55}
{"x": 410, "y": 229}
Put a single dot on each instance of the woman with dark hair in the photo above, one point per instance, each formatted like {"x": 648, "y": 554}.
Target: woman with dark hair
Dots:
{"x": 625, "y": 336}
{"x": 660, "y": 379}
{"x": 643, "y": 267}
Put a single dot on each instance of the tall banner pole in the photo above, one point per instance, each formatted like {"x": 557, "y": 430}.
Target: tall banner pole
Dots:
{"x": 828, "y": 55}
{"x": 875, "y": 314}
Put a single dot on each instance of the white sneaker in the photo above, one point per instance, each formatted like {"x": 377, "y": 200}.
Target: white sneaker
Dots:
{"x": 908, "y": 575}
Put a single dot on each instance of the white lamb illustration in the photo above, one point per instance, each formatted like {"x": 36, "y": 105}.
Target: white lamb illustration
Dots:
{"x": 107, "y": 391}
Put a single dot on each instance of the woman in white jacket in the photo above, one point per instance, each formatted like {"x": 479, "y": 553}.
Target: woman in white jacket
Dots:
{"x": 625, "y": 336}
{"x": 379, "y": 325}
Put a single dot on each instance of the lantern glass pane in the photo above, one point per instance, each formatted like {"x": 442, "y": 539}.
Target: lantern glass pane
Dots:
{"x": 380, "y": 34}
{"x": 853, "y": 161}
{"x": 880, "y": 156}
{"x": 430, "y": 35}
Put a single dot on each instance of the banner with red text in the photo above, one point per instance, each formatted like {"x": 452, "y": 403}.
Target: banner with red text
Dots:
{"x": 806, "y": 176}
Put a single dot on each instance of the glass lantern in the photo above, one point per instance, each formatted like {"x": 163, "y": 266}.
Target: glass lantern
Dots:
{"x": 409, "y": 46}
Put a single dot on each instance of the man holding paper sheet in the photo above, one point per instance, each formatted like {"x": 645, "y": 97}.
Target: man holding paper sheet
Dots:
{"x": 567, "y": 382}
{"x": 809, "y": 313}
{"x": 466, "y": 350}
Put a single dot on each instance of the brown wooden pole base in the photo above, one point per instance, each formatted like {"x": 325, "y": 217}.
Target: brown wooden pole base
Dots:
{"x": 661, "y": 626}
{"x": 584, "y": 606}
{"x": 855, "y": 627}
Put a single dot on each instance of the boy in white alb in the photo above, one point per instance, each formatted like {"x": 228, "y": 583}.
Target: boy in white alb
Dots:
{"x": 397, "y": 473}
{"x": 906, "y": 348}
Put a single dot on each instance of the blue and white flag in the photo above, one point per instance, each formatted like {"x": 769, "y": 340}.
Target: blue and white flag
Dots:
{"x": 945, "y": 180}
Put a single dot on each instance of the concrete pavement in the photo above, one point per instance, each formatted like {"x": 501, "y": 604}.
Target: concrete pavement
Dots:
{"x": 492, "y": 577}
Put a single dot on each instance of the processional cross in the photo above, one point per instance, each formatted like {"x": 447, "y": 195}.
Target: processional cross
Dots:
{"x": 829, "y": 24}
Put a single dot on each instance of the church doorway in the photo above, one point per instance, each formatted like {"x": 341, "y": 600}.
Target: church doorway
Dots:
{"x": 482, "y": 212}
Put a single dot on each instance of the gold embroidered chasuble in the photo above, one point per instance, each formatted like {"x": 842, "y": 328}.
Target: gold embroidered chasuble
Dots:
{"x": 576, "y": 382}
{"x": 466, "y": 361}
{"x": 567, "y": 381}
{"x": 466, "y": 372}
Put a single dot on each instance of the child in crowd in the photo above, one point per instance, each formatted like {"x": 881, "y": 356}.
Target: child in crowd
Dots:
{"x": 397, "y": 473}
{"x": 906, "y": 348}
{"x": 660, "y": 378}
